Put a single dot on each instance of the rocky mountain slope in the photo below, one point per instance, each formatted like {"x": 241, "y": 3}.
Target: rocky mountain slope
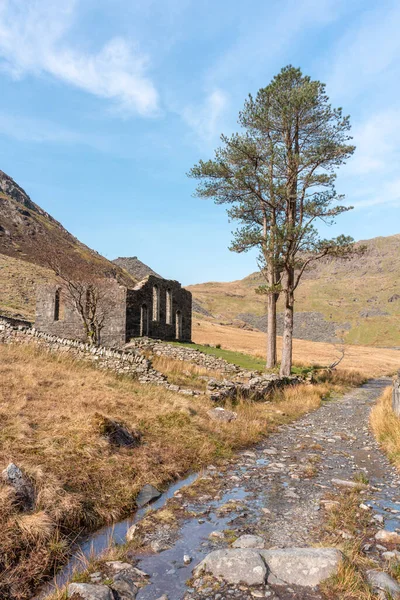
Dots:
{"x": 135, "y": 267}
{"x": 357, "y": 300}
{"x": 28, "y": 237}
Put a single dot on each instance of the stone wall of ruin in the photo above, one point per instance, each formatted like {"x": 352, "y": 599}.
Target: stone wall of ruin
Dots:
{"x": 69, "y": 324}
{"x": 143, "y": 317}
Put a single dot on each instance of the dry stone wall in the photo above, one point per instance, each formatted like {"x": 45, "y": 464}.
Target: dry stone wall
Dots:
{"x": 119, "y": 361}
{"x": 208, "y": 361}
{"x": 132, "y": 362}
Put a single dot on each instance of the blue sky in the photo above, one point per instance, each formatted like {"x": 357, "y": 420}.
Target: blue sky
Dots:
{"x": 105, "y": 105}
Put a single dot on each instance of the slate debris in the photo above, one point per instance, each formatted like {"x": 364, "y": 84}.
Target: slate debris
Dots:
{"x": 147, "y": 494}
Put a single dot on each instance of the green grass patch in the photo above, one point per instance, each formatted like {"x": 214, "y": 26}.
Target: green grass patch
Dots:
{"x": 246, "y": 361}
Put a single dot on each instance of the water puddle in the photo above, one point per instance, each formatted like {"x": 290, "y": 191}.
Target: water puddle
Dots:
{"x": 98, "y": 542}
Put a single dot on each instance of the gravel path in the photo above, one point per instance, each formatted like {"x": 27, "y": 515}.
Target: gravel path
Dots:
{"x": 274, "y": 491}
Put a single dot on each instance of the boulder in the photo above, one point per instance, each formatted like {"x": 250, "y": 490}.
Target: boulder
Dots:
{"x": 234, "y": 566}
{"x": 117, "y": 433}
{"x": 387, "y": 537}
{"x": 23, "y": 487}
{"x": 221, "y": 414}
{"x": 147, "y": 494}
{"x": 124, "y": 585}
{"x": 301, "y": 566}
{"x": 89, "y": 591}
{"x": 249, "y": 541}
{"x": 382, "y": 581}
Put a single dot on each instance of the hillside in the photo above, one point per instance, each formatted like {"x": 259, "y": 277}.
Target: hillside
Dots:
{"x": 358, "y": 299}
{"x": 28, "y": 235}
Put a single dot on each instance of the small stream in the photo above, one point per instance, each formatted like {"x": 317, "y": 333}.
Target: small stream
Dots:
{"x": 96, "y": 543}
{"x": 270, "y": 476}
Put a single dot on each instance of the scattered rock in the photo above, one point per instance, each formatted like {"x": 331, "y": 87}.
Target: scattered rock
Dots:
{"x": 221, "y": 414}
{"x": 89, "y": 591}
{"x": 391, "y": 555}
{"x": 117, "y": 566}
{"x": 387, "y": 537}
{"x": 147, "y": 494}
{"x": 234, "y": 566}
{"x": 23, "y": 487}
{"x": 130, "y": 534}
{"x": 217, "y": 535}
{"x": 329, "y": 504}
{"x": 159, "y": 545}
{"x": 125, "y": 586}
{"x": 382, "y": 581}
{"x": 117, "y": 433}
{"x": 301, "y": 566}
{"x": 349, "y": 484}
{"x": 378, "y": 518}
{"x": 249, "y": 541}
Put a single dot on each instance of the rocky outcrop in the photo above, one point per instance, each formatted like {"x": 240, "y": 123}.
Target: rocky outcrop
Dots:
{"x": 22, "y": 485}
{"x": 256, "y": 388}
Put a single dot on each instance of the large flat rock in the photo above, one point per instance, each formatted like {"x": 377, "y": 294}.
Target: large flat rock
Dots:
{"x": 88, "y": 591}
{"x": 235, "y": 566}
{"x": 301, "y": 566}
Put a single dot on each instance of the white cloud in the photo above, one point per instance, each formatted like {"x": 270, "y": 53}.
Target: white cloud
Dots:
{"x": 377, "y": 143}
{"x": 205, "y": 119}
{"x": 33, "y": 41}
{"x": 368, "y": 50}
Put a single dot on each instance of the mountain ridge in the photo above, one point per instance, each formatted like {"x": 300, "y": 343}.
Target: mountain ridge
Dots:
{"x": 356, "y": 300}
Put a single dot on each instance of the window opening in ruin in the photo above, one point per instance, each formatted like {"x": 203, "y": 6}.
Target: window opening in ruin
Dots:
{"x": 144, "y": 321}
{"x": 178, "y": 325}
{"x": 58, "y": 306}
{"x": 156, "y": 303}
{"x": 168, "y": 316}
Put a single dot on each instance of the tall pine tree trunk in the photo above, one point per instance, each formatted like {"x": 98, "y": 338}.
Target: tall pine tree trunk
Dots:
{"x": 271, "y": 331}
{"x": 287, "y": 339}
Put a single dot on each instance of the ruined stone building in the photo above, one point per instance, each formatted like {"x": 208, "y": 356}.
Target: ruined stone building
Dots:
{"x": 156, "y": 307}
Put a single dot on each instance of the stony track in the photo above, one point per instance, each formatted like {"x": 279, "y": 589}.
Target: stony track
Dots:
{"x": 275, "y": 491}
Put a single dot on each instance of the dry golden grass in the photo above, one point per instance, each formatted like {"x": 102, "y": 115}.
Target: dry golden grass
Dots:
{"x": 386, "y": 426}
{"x": 349, "y": 583}
{"x": 369, "y": 361}
{"x": 49, "y": 407}
{"x": 183, "y": 373}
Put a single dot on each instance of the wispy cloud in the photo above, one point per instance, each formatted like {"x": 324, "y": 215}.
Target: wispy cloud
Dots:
{"x": 366, "y": 52}
{"x": 30, "y": 129}
{"x": 34, "y": 40}
{"x": 378, "y": 143}
{"x": 205, "y": 119}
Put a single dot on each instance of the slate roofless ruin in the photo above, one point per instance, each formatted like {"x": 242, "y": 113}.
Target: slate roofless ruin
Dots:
{"x": 156, "y": 307}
